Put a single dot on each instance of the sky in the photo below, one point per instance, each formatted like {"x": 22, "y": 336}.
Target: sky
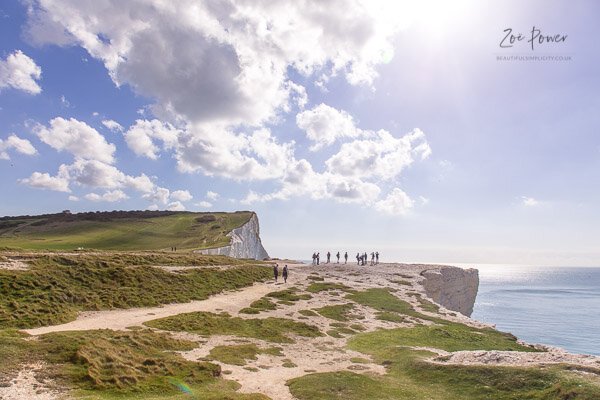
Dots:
{"x": 398, "y": 127}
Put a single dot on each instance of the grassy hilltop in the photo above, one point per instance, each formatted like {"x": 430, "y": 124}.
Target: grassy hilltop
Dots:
{"x": 120, "y": 230}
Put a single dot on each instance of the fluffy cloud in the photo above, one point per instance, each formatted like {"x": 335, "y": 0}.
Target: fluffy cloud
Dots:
{"x": 353, "y": 174}
{"x": 204, "y": 204}
{"x": 159, "y": 194}
{"x": 221, "y": 61}
{"x": 396, "y": 203}
{"x": 40, "y": 180}
{"x": 223, "y": 76}
{"x": 110, "y": 196}
{"x": 77, "y": 138}
{"x": 324, "y": 124}
{"x": 181, "y": 195}
{"x": 20, "y": 72}
{"x": 92, "y": 174}
{"x": 212, "y": 195}
{"x": 217, "y": 151}
{"x": 112, "y": 125}
{"x": 140, "y": 137}
{"x": 13, "y": 142}
{"x": 175, "y": 206}
{"x": 383, "y": 156}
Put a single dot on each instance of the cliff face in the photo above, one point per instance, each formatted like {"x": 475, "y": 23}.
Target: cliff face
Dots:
{"x": 452, "y": 287}
{"x": 245, "y": 242}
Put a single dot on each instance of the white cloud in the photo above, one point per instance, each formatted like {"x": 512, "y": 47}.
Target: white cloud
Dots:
{"x": 181, "y": 195}
{"x": 93, "y": 174}
{"x": 20, "y": 72}
{"x": 78, "y": 138}
{"x": 152, "y": 207}
{"x": 225, "y": 74}
{"x": 424, "y": 200}
{"x": 204, "y": 204}
{"x": 73, "y": 198}
{"x": 45, "y": 181}
{"x": 13, "y": 142}
{"x": 223, "y": 65}
{"x": 529, "y": 201}
{"x": 112, "y": 125}
{"x": 141, "y": 135}
{"x": 383, "y": 156}
{"x": 140, "y": 183}
{"x": 110, "y": 196}
{"x": 212, "y": 195}
{"x": 324, "y": 124}
{"x": 175, "y": 206}
{"x": 216, "y": 151}
{"x": 396, "y": 203}
{"x": 159, "y": 195}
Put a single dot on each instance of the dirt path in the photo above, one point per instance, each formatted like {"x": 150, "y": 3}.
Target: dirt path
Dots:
{"x": 231, "y": 302}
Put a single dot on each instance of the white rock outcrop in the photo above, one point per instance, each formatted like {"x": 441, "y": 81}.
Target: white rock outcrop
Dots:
{"x": 245, "y": 242}
{"x": 452, "y": 287}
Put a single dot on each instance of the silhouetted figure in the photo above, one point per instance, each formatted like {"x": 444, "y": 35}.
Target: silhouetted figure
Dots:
{"x": 318, "y": 256}
{"x": 328, "y": 257}
{"x": 284, "y": 273}
{"x": 314, "y": 258}
{"x": 357, "y": 259}
{"x": 346, "y": 258}
{"x": 338, "y": 257}
{"x": 376, "y": 257}
{"x": 365, "y": 258}
{"x": 276, "y": 272}
{"x": 372, "y": 258}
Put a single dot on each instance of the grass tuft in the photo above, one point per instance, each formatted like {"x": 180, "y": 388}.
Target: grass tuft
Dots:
{"x": 204, "y": 323}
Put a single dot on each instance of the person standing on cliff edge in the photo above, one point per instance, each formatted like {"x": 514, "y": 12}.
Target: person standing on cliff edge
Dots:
{"x": 276, "y": 272}
{"x": 328, "y": 257}
{"x": 346, "y": 258}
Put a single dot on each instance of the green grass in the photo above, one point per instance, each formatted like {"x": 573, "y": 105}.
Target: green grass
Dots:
{"x": 308, "y": 313}
{"x": 289, "y": 295}
{"x": 270, "y": 329}
{"x": 110, "y": 231}
{"x": 105, "y": 364}
{"x": 338, "y": 312}
{"x": 259, "y": 305}
{"x": 410, "y": 377}
{"x": 383, "y": 300}
{"x": 317, "y": 287}
{"x": 57, "y": 288}
{"x": 390, "y": 316}
{"x": 239, "y": 354}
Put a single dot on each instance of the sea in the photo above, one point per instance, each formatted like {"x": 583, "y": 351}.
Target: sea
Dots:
{"x": 557, "y": 306}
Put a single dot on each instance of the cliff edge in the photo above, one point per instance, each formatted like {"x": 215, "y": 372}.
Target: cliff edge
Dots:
{"x": 245, "y": 242}
{"x": 452, "y": 287}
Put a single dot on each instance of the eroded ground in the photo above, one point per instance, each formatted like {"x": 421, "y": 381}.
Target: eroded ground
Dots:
{"x": 333, "y": 331}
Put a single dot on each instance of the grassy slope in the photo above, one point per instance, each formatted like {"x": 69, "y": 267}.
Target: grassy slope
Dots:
{"x": 182, "y": 229}
{"x": 57, "y": 287}
{"x": 106, "y": 365}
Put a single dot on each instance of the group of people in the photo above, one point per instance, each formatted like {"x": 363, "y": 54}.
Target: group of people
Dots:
{"x": 284, "y": 272}
{"x": 361, "y": 259}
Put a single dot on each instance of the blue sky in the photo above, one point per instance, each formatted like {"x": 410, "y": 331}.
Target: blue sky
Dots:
{"x": 389, "y": 127}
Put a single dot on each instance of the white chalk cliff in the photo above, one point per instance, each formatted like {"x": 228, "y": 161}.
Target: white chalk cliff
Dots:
{"x": 245, "y": 242}
{"x": 452, "y": 287}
